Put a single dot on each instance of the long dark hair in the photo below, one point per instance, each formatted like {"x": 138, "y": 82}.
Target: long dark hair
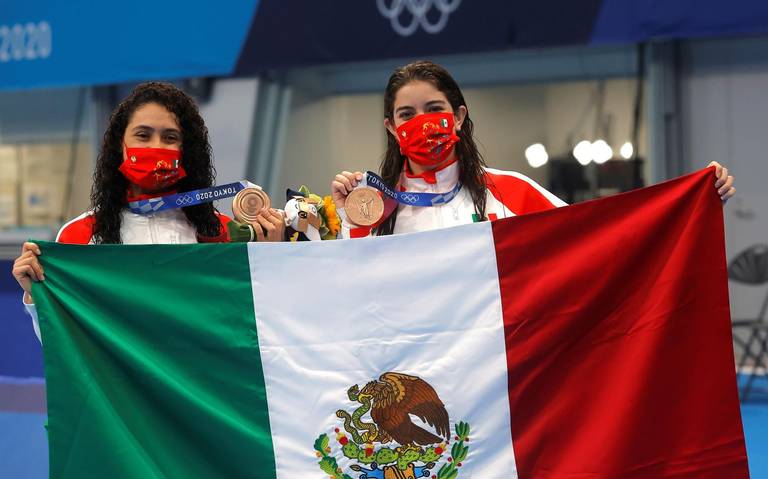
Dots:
{"x": 108, "y": 194}
{"x": 471, "y": 163}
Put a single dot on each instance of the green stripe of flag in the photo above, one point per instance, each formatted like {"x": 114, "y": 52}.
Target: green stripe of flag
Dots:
{"x": 152, "y": 366}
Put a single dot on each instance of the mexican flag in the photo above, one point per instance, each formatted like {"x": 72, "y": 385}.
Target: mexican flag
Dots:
{"x": 591, "y": 341}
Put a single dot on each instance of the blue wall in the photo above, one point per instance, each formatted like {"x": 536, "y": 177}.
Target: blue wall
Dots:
{"x": 23, "y": 445}
{"x": 20, "y": 353}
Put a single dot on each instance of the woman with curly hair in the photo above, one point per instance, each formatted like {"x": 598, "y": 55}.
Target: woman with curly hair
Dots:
{"x": 156, "y": 144}
{"x": 431, "y": 152}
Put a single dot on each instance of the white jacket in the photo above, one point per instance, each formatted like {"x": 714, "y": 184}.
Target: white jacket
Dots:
{"x": 508, "y": 194}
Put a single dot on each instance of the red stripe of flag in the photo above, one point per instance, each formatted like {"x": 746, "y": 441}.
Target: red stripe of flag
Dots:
{"x": 618, "y": 337}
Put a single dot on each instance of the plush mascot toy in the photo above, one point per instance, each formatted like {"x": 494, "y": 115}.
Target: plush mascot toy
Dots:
{"x": 310, "y": 217}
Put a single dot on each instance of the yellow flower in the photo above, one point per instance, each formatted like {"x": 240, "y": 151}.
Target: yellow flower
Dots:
{"x": 332, "y": 221}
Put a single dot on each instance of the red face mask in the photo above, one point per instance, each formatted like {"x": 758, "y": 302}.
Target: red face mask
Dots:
{"x": 152, "y": 169}
{"x": 428, "y": 139}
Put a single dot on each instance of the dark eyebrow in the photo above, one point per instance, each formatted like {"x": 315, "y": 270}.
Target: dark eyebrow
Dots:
{"x": 436, "y": 102}
{"x": 147, "y": 128}
{"x": 428, "y": 104}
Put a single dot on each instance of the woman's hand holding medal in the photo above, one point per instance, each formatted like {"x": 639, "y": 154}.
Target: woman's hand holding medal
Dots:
{"x": 363, "y": 205}
{"x": 342, "y": 185}
{"x": 253, "y": 211}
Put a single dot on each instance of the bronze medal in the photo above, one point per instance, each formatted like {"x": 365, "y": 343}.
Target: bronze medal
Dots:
{"x": 364, "y": 206}
{"x": 248, "y": 203}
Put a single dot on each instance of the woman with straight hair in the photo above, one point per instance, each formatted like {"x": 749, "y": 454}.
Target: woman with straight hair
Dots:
{"x": 431, "y": 152}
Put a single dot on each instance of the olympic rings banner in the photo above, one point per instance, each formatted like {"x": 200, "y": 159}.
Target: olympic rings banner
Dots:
{"x": 85, "y": 42}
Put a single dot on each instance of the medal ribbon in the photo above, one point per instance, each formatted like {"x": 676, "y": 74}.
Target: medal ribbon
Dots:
{"x": 408, "y": 197}
{"x": 188, "y": 198}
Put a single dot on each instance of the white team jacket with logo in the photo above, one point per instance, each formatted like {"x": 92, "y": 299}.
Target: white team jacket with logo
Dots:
{"x": 508, "y": 194}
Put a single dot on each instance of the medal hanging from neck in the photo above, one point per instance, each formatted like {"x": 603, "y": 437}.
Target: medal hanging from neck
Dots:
{"x": 156, "y": 169}
{"x": 365, "y": 207}
{"x": 373, "y": 201}
{"x": 428, "y": 140}
{"x": 247, "y": 204}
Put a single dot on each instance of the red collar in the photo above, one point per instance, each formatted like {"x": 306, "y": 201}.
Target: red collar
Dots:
{"x": 429, "y": 176}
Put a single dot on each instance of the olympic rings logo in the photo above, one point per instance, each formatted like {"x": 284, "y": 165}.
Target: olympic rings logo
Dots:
{"x": 408, "y": 198}
{"x": 418, "y": 10}
{"x": 184, "y": 200}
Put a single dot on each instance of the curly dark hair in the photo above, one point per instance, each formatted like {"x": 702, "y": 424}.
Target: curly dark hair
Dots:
{"x": 471, "y": 163}
{"x": 108, "y": 194}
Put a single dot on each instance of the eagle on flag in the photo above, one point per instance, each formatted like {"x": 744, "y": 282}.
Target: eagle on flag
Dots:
{"x": 395, "y": 396}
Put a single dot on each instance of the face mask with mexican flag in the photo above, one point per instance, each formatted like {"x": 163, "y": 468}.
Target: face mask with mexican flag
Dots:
{"x": 588, "y": 341}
